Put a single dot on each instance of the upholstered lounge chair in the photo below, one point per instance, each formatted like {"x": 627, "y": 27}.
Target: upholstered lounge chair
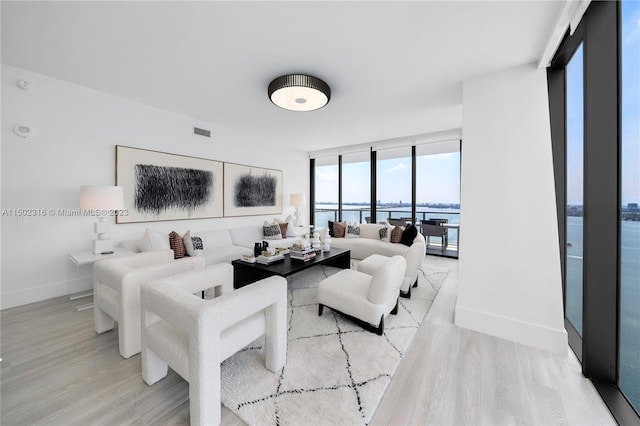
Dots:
{"x": 414, "y": 257}
{"x": 116, "y": 291}
{"x": 193, "y": 336}
{"x": 368, "y": 298}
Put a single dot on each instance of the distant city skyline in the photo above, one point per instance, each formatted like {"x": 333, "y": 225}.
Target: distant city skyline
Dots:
{"x": 438, "y": 180}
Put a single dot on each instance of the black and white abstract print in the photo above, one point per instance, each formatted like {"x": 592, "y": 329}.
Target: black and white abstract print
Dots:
{"x": 255, "y": 191}
{"x": 251, "y": 190}
{"x": 162, "y": 186}
{"x": 159, "y": 188}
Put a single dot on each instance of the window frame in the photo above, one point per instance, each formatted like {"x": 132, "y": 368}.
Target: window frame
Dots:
{"x": 598, "y": 348}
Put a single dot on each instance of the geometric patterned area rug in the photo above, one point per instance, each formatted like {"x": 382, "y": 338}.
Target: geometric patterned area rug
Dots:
{"x": 336, "y": 372}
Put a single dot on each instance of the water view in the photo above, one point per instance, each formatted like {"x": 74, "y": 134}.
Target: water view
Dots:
{"x": 629, "y": 297}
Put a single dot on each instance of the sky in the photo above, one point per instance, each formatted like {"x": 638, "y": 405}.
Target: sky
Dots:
{"x": 438, "y": 180}
{"x": 575, "y": 128}
{"x": 630, "y": 171}
{"x": 630, "y": 190}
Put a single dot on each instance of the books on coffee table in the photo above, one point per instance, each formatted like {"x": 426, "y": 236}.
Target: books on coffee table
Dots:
{"x": 303, "y": 255}
{"x": 267, "y": 260}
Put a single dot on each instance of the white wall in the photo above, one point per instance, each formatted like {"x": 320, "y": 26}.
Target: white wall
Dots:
{"x": 509, "y": 268}
{"x": 76, "y": 132}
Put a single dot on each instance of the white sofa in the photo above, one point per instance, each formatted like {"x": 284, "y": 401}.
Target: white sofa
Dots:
{"x": 369, "y": 243}
{"x": 225, "y": 245}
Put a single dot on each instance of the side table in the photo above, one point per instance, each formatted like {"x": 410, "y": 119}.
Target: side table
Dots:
{"x": 80, "y": 273}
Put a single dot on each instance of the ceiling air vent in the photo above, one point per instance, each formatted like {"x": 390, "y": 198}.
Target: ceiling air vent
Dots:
{"x": 202, "y": 132}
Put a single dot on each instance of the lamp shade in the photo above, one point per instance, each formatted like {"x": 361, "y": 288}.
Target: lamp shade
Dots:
{"x": 299, "y": 92}
{"x": 297, "y": 199}
{"x": 101, "y": 197}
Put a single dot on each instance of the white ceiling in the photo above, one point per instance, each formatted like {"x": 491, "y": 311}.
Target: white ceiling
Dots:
{"x": 395, "y": 68}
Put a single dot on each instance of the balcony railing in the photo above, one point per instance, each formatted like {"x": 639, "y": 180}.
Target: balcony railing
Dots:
{"x": 362, "y": 215}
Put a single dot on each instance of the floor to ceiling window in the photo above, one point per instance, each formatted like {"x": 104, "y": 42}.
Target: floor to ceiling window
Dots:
{"x": 326, "y": 190}
{"x": 438, "y": 186}
{"x": 394, "y": 183}
{"x": 356, "y": 187}
{"x": 629, "y": 367}
{"x": 411, "y": 182}
{"x": 594, "y": 87}
{"x": 575, "y": 170}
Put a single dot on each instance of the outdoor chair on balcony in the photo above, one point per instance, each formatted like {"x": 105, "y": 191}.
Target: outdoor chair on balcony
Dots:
{"x": 433, "y": 228}
{"x": 403, "y": 221}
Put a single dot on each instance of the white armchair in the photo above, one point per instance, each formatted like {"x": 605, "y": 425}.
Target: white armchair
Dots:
{"x": 116, "y": 291}
{"x": 367, "y": 298}
{"x": 414, "y": 257}
{"x": 193, "y": 336}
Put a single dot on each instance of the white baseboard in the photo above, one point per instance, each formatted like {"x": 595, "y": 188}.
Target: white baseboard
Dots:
{"x": 42, "y": 292}
{"x": 537, "y": 336}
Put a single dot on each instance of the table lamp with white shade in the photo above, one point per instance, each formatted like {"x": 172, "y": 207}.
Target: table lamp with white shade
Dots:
{"x": 102, "y": 199}
{"x": 297, "y": 200}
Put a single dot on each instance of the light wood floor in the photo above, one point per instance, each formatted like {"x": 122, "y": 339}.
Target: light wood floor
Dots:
{"x": 57, "y": 371}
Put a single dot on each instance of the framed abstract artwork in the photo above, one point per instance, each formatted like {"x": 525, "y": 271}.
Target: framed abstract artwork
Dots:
{"x": 161, "y": 186}
{"x": 251, "y": 190}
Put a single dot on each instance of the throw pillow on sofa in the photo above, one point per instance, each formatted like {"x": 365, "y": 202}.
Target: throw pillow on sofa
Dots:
{"x": 290, "y": 229}
{"x": 177, "y": 245}
{"x": 353, "y": 231}
{"x": 271, "y": 231}
{"x": 154, "y": 240}
{"x": 385, "y": 233}
{"x": 339, "y": 229}
{"x": 396, "y": 234}
{"x": 192, "y": 244}
{"x": 283, "y": 229}
{"x": 408, "y": 235}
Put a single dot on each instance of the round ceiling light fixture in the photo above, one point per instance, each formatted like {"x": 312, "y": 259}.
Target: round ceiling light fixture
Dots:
{"x": 299, "y": 92}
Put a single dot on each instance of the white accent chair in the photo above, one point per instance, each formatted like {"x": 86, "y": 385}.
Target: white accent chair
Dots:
{"x": 414, "y": 257}
{"x": 367, "y": 298}
{"x": 193, "y": 336}
{"x": 116, "y": 291}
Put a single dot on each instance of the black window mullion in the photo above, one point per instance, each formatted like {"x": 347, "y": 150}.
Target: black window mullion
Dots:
{"x": 600, "y": 307}
{"x": 312, "y": 191}
{"x": 339, "y": 188}
{"x": 374, "y": 186}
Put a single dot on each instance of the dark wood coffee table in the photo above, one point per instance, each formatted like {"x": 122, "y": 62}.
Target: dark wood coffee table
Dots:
{"x": 246, "y": 273}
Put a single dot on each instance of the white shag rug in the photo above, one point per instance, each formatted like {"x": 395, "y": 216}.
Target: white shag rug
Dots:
{"x": 336, "y": 372}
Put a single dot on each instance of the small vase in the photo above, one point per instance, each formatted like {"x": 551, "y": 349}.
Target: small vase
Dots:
{"x": 326, "y": 243}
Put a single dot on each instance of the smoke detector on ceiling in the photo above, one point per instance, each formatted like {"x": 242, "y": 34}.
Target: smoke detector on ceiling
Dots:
{"x": 25, "y": 85}
{"x": 24, "y": 130}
